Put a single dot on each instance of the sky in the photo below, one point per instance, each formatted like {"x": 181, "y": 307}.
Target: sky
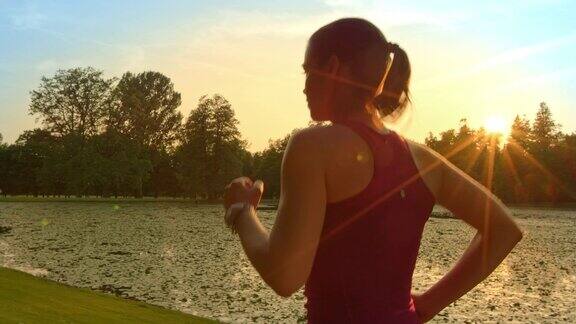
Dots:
{"x": 473, "y": 60}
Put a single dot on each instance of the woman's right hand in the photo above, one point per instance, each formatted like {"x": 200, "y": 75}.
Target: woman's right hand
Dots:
{"x": 422, "y": 309}
{"x": 497, "y": 232}
{"x": 242, "y": 189}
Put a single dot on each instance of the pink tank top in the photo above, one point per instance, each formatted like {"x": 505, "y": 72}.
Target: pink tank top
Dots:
{"x": 362, "y": 271}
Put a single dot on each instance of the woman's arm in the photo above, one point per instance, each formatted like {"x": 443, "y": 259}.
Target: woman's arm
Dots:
{"x": 470, "y": 201}
{"x": 284, "y": 256}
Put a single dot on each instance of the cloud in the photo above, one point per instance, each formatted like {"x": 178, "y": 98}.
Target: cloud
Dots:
{"x": 397, "y": 14}
{"x": 515, "y": 54}
{"x": 506, "y": 57}
{"x": 50, "y": 65}
{"x": 27, "y": 17}
{"x": 406, "y": 17}
{"x": 134, "y": 57}
{"x": 341, "y": 3}
{"x": 536, "y": 80}
{"x": 255, "y": 23}
{"x": 46, "y": 65}
{"x": 243, "y": 23}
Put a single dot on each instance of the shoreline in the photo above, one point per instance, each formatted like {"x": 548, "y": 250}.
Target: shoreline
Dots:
{"x": 266, "y": 203}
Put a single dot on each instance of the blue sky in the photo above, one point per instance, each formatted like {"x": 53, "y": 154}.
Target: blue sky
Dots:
{"x": 470, "y": 59}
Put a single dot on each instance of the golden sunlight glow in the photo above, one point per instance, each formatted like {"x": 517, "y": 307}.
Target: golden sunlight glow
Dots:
{"x": 496, "y": 124}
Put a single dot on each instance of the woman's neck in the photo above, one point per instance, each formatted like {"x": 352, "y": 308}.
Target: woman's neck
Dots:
{"x": 371, "y": 120}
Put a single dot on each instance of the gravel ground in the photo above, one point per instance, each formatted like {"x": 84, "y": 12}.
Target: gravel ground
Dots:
{"x": 180, "y": 256}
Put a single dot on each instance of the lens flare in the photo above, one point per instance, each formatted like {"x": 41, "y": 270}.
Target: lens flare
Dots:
{"x": 496, "y": 124}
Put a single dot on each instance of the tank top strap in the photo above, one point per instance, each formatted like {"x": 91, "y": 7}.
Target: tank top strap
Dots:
{"x": 388, "y": 149}
{"x": 373, "y": 138}
{"x": 406, "y": 168}
{"x": 364, "y": 132}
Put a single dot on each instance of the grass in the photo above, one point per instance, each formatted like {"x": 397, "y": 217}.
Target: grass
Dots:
{"x": 28, "y": 299}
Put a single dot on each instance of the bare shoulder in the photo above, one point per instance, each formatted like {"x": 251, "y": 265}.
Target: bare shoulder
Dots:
{"x": 304, "y": 157}
{"x": 430, "y": 164}
{"x": 423, "y": 153}
{"x": 307, "y": 142}
{"x": 318, "y": 136}
{"x": 319, "y": 142}
{"x": 321, "y": 131}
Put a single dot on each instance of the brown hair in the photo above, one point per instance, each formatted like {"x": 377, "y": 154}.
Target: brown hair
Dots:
{"x": 360, "y": 45}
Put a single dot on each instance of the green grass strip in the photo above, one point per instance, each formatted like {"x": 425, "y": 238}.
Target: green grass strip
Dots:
{"x": 28, "y": 299}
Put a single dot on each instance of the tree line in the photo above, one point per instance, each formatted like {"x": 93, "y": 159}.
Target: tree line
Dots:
{"x": 121, "y": 137}
{"x": 535, "y": 163}
{"x": 124, "y": 137}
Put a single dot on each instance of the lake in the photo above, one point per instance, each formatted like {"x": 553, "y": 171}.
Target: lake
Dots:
{"x": 180, "y": 255}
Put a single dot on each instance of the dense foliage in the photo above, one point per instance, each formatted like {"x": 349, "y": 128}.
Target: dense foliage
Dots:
{"x": 126, "y": 137}
{"x": 536, "y": 163}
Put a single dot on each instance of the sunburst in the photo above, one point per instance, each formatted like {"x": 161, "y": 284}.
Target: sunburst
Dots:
{"x": 496, "y": 124}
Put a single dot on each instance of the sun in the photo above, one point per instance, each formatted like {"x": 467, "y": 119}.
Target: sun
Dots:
{"x": 496, "y": 124}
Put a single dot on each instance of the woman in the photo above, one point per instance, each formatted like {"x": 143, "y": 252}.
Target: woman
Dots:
{"x": 355, "y": 195}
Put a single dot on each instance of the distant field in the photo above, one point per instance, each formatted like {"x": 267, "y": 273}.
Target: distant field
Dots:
{"x": 179, "y": 255}
{"x": 28, "y": 299}
{"x": 548, "y": 206}
{"x": 39, "y": 199}
{"x": 96, "y": 199}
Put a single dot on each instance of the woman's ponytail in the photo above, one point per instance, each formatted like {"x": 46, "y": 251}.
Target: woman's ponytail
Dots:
{"x": 395, "y": 95}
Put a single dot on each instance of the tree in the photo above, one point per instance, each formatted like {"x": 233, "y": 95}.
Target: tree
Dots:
{"x": 32, "y": 149}
{"x": 515, "y": 161}
{"x": 193, "y": 155}
{"x": 567, "y": 159}
{"x": 73, "y": 101}
{"x": 83, "y": 172}
{"x": 227, "y": 146}
{"x": 124, "y": 166}
{"x": 520, "y": 132}
{"x": 545, "y": 137}
{"x": 53, "y": 175}
{"x": 212, "y": 151}
{"x": 467, "y": 147}
{"x": 146, "y": 109}
{"x": 4, "y": 167}
{"x": 545, "y": 131}
{"x": 268, "y": 164}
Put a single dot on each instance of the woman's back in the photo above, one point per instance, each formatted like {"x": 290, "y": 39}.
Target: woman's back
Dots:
{"x": 353, "y": 203}
{"x": 364, "y": 263}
